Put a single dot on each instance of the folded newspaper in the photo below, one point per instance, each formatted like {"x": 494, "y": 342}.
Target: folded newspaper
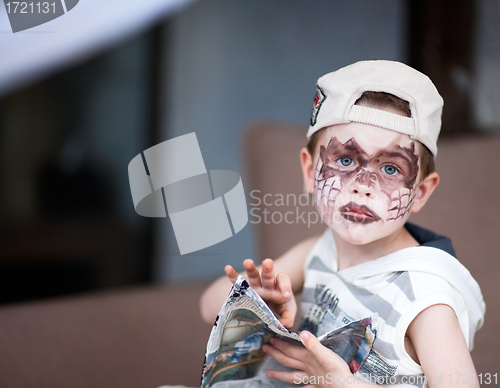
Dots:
{"x": 234, "y": 355}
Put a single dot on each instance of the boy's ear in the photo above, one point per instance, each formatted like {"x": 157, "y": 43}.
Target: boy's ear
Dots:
{"x": 424, "y": 191}
{"x": 307, "y": 169}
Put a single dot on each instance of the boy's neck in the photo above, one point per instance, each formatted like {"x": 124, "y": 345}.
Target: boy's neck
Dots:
{"x": 349, "y": 255}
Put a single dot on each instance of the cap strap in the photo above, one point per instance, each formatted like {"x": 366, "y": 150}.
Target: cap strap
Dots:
{"x": 382, "y": 118}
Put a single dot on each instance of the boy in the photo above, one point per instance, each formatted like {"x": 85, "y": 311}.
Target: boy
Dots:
{"x": 369, "y": 164}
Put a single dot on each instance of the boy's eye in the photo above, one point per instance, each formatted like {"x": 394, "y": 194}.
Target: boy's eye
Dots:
{"x": 345, "y": 161}
{"x": 390, "y": 170}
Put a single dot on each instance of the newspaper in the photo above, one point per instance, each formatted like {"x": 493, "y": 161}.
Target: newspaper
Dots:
{"x": 234, "y": 355}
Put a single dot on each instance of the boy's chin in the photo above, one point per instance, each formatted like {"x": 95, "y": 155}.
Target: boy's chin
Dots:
{"x": 354, "y": 237}
{"x": 361, "y": 234}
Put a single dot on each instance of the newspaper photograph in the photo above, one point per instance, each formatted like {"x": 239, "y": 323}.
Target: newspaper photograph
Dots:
{"x": 245, "y": 323}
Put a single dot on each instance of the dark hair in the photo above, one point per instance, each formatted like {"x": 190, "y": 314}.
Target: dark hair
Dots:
{"x": 383, "y": 100}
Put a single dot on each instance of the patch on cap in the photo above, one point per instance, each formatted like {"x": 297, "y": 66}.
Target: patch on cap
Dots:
{"x": 318, "y": 101}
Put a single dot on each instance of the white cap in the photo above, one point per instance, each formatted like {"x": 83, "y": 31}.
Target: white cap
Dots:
{"x": 338, "y": 91}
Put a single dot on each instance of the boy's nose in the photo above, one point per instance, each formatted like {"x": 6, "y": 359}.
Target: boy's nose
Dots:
{"x": 364, "y": 183}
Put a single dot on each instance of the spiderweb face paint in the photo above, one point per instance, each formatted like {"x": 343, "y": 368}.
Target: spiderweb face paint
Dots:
{"x": 355, "y": 186}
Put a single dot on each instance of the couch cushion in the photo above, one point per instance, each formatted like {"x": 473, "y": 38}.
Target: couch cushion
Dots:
{"x": 137, "y": 338}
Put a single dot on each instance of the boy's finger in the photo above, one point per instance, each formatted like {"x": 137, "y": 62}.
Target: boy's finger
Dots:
{"x": 288, "y": 315}
{"x": 231, "y": 273}
{"x": 314, "y": 346}
{"x": 284, "y": 284}
{"x": 293, "y": 351}
{"x": 252, "y": 273}
{"x": 268, "y": 277}
{"x": 287, "y": 318}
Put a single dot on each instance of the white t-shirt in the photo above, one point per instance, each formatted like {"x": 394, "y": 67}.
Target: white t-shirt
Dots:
{"x": 396, "y": 287}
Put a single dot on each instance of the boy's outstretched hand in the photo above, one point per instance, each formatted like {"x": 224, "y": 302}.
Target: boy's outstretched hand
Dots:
{"x": 276, "y": 290}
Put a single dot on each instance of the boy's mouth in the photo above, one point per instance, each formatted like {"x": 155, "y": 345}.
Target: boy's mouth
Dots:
{"x": 360, "y": 214}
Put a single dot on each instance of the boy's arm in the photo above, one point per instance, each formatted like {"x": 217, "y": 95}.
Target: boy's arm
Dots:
{"x": 291, "y": 263}
{"x": 441, "y": 348}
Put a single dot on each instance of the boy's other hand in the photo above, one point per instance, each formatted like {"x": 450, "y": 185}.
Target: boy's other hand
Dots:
{"x": 276, "y": 290}
{"x": 316, "y": 366}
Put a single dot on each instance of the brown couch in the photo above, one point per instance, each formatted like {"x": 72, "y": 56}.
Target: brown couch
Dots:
{"x": 140, "y": 338}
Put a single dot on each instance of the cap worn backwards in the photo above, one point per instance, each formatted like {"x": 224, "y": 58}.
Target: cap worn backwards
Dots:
{"x": 338, "y": 91}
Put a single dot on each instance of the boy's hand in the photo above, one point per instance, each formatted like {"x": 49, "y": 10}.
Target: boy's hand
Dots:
{"x": 312, "y": 362}
{"x": 276, "y": 290}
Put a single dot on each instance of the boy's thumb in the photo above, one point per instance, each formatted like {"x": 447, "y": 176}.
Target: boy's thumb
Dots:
{"x": 314, "y": 346}
{"x": 326, "y": 357}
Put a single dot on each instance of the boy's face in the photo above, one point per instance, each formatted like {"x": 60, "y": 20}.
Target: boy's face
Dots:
{"x": 365, "y": 181}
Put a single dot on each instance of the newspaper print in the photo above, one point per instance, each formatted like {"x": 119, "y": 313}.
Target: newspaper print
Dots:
{"x": 245, "y": 323}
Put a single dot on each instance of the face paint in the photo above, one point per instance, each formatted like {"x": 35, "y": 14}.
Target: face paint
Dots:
{"x": 355, "y": 186}
{"x": 401, "y": 202}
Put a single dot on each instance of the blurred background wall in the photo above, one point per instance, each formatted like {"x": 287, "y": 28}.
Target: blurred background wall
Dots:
{"x": 66, "y": 214}
{"x": 234, "y": 61}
